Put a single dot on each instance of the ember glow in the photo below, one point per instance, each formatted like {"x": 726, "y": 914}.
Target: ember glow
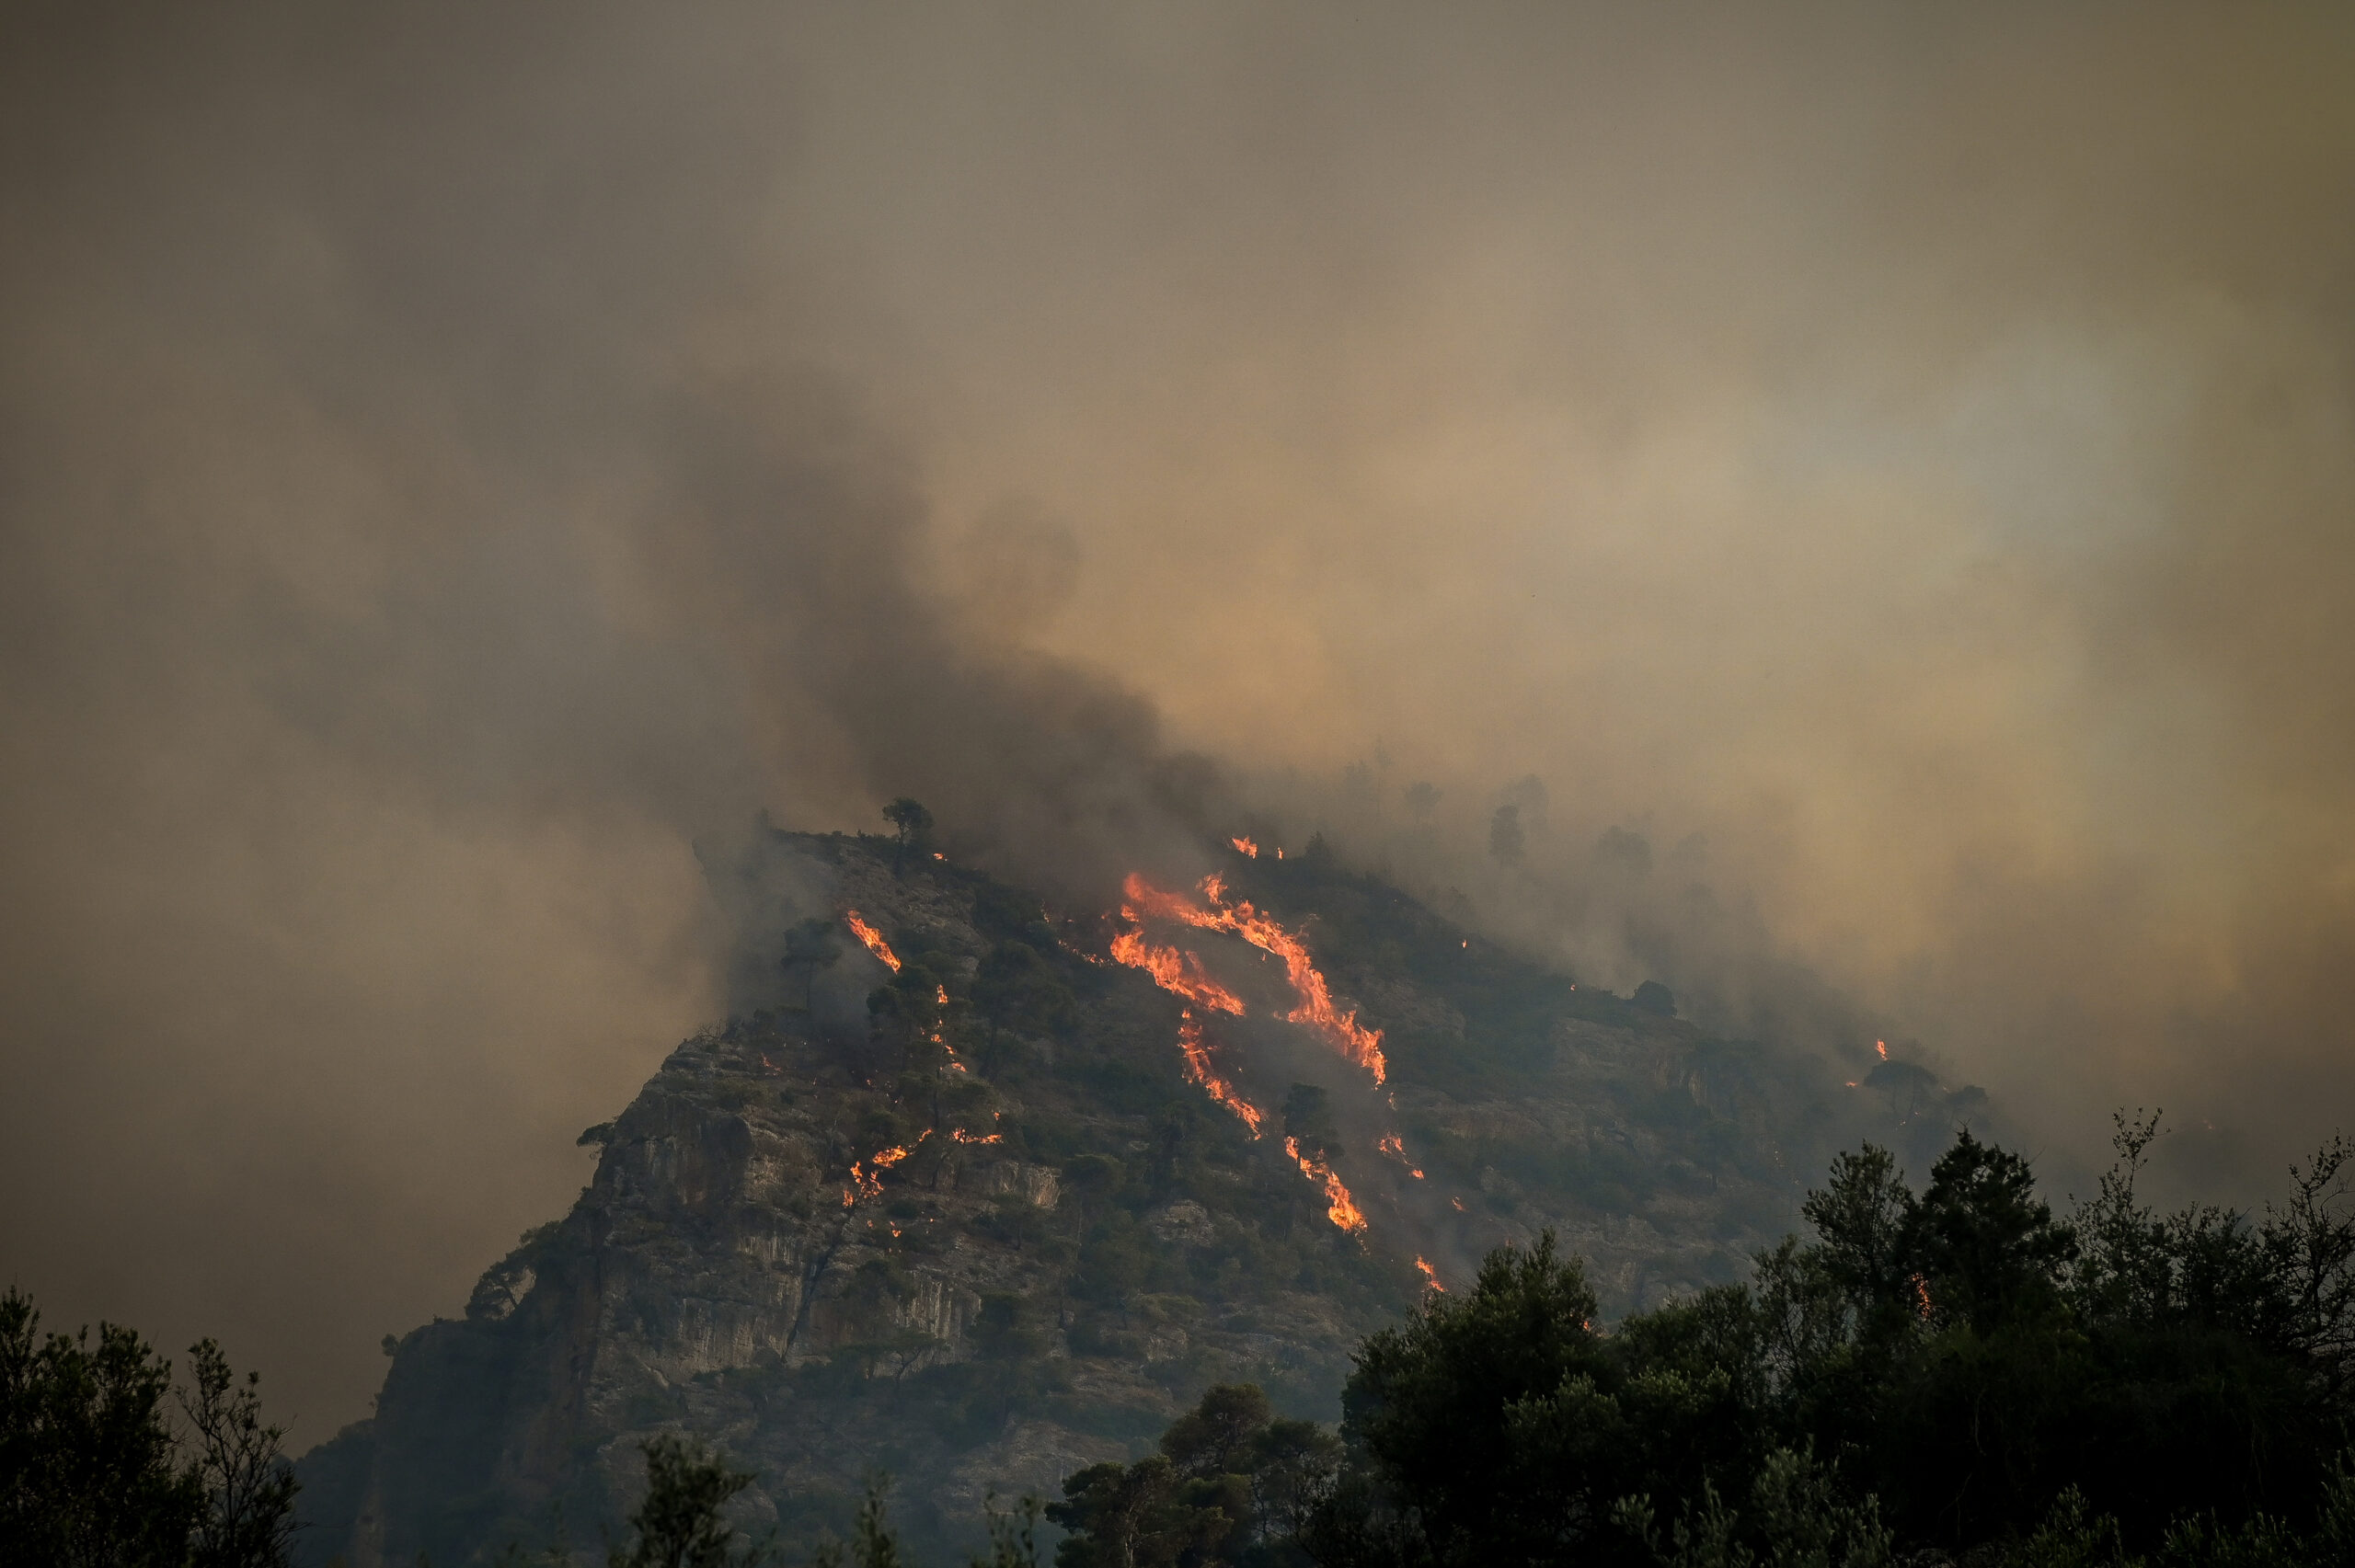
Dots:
{"x": 874, "y": 940}
{"x": 1247, "y": 846}
{"x": 959, "y": 1135}
{"x": 1430, "y": 1276}
{"x": 1316, "y": 1012}
{"x": 1200, "y": 1070}
{"x": 1343, "y": 1210}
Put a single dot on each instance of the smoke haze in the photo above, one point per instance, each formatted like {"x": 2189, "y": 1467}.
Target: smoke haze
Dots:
{"x": 1889, "y": 474}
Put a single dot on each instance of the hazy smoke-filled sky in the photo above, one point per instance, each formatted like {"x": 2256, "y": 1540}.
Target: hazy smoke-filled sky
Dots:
{"x": 1899, "y": 463}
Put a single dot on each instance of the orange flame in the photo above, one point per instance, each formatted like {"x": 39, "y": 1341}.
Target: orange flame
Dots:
{"x": 1397, "y": 1151}
{"x": 1459, "y": 1204}
{"x": 1882, "y": 1047}
{"x": 1430, "y": 1276}
{"x": 1922, "y": 1292}
{"x": 874, "y": 940}
{"x": 1247, "y": 846}
{"x": 1344, "y": 1210}
{"x": 959, "y": 1135}
{"x": 1316, "y": 1012}
{"x": 1200, "y": 1070}
{"x": 1174, "y": 971}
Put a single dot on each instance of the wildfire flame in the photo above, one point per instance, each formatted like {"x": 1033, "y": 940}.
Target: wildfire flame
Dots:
{"x": 1922, "y": 1293}
{"x": 1200, "y": 1070}
{"x": 874, "y": 940}
{"x": 1315, "y": 1012}
{"x": 1430, "y": 1276}
{"x": 1882, "y": 1047}
{"x": 959, "y": 1135}
{"x": 1344, "y": 1210}
{"x": 1174, "y": 971}
{"x": 1391, "y": 1146}
{"x": 1247, "y": 846}
{"x": 866, "y": 1182}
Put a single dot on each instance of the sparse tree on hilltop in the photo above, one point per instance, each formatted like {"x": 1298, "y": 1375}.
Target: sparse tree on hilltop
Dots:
{"x": 914, "y": 826}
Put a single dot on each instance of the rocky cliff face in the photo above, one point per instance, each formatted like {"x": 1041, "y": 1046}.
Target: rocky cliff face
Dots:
{"x": 976, "y": 1222}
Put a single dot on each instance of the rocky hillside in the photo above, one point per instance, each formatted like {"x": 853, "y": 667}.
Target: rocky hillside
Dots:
{"x": 978, "y": 1199}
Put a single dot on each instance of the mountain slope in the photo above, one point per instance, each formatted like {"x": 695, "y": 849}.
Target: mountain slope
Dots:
{"x": 965, "y": 1209}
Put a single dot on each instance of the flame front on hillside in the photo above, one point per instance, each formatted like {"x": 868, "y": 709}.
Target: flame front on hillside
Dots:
{"x": 1200, "y": 1070}
{"x": 1344, "y": 1210}
{"x": 1176, "y": 971}
{"x": 1316, "y": 1011}
{"x": 873, "y": 939}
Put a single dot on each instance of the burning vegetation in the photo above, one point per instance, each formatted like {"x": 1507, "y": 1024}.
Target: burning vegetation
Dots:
{"x": 1316, "y": 1011}
{"x": 1201, "y": 1073}
{"x": 873, "y": 939}
{"x": 1181, "y": 972}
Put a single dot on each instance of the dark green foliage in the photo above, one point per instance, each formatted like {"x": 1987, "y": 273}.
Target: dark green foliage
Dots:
{"x": 1499, "y": 1423}
{"x": 680, "y": 1523}
{"x": 1013, "y": 1537}
{"x": 248, "y": 1519}
{"x": 1233, "y": 1482}
{"x": 1024, "y": 991}
{"x": 913, "y": 825}
{"x": 1982, "y": 1242}
{"x": 1796, "y": 1514}
{"x": 1957, "y": 1368}
{"x": 810, "y": 946}
{"x": 88, "y": 1467}
{"x": 92, "y": 1473}
{"x": 1010, "y": 914}
{"x": 1308, "y": 1120}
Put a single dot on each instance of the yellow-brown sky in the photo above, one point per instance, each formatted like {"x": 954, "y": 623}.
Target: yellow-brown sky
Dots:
{"x": 1899, "y": 460}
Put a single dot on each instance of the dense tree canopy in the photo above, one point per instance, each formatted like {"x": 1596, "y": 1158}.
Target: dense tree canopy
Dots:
{"x": 93, "y": 1473}
{"x": 1956, "y": 1369}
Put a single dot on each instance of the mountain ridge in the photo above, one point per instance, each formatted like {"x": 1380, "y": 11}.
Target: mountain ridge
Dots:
{"x": 971, "y": 1216}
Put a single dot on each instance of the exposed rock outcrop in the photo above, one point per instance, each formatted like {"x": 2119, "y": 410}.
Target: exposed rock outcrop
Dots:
{"x": 985, "y": 1233}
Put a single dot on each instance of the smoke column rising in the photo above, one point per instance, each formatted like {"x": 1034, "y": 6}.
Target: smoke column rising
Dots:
{"x": 450, "y": 462}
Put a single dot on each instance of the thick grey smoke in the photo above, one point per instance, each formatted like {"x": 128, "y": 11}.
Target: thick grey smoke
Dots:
{"x": 1891, "y": 469}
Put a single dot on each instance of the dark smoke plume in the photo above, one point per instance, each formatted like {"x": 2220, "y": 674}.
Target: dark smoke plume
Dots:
{"x": 1890, "y": 465}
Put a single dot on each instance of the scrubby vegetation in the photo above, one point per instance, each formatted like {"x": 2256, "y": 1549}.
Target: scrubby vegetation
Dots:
{"x": 103, "y": 1462}
{"x": 1955, "y": 1370}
